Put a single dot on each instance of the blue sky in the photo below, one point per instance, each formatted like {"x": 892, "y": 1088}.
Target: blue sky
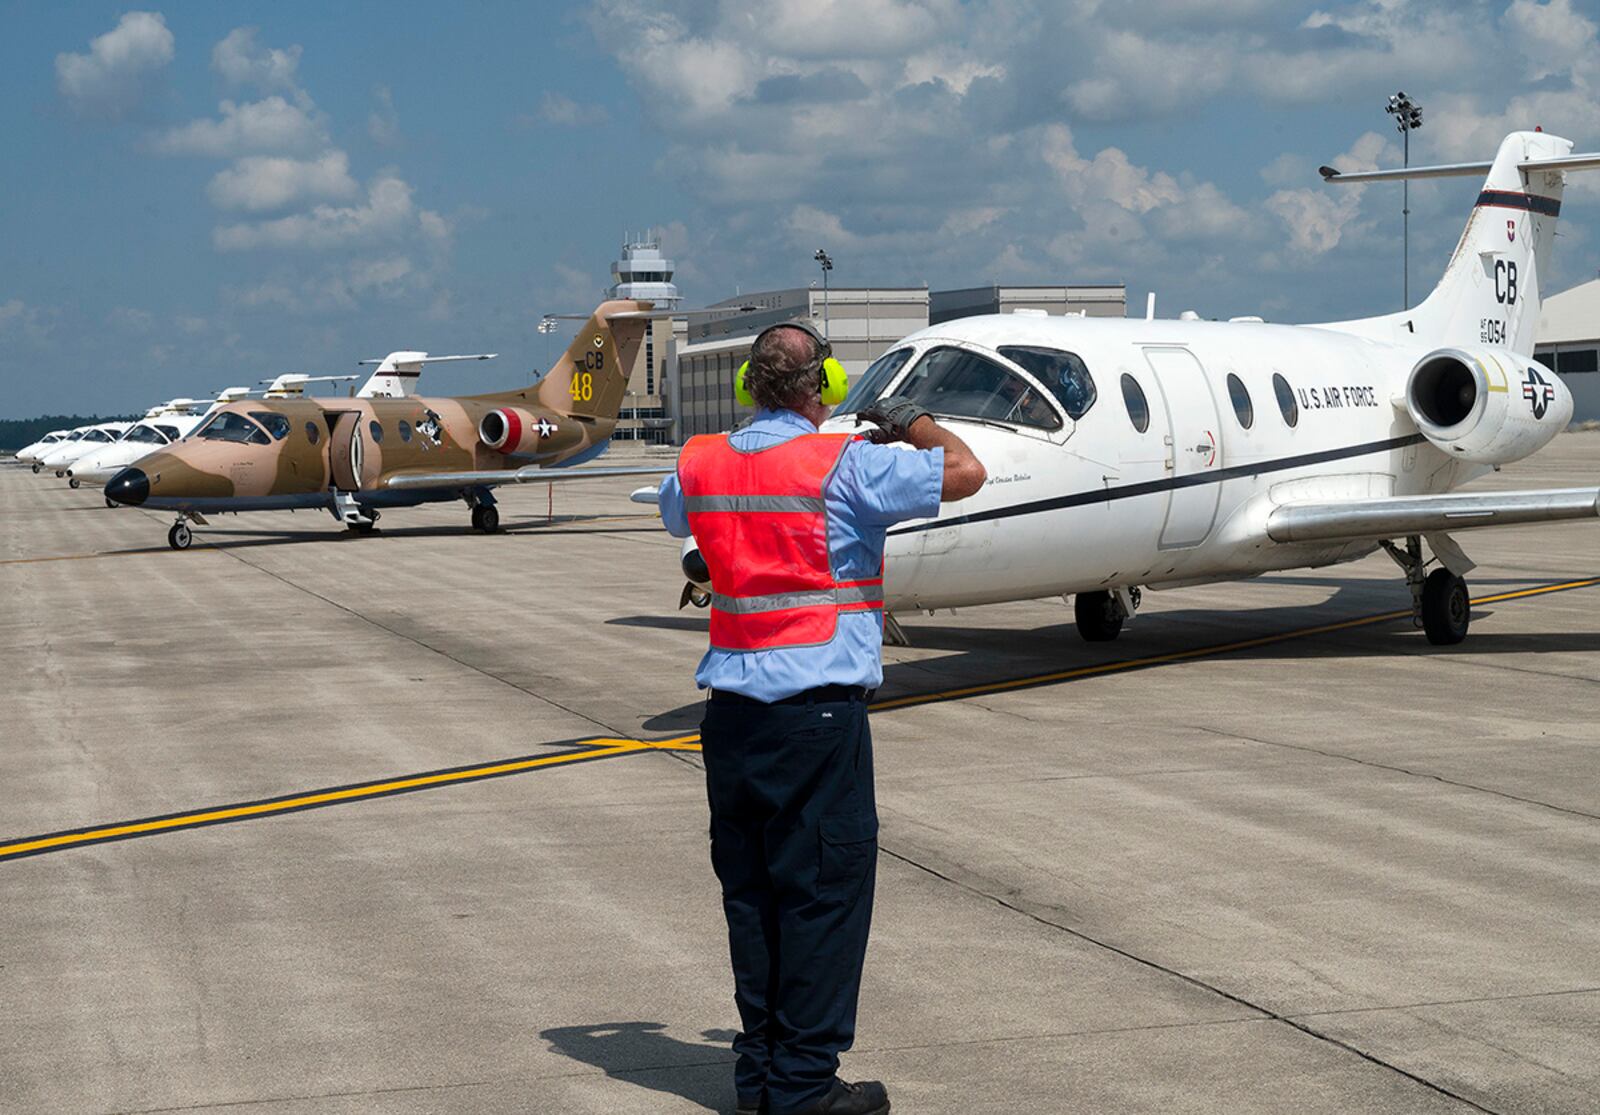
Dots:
{"x": 203, "y": 194}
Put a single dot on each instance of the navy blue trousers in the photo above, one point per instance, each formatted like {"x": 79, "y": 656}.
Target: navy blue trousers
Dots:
{"x": 794, "y": 842}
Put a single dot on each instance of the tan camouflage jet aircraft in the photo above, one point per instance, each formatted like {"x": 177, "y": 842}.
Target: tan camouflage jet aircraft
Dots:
{"x": 355, "y": 456}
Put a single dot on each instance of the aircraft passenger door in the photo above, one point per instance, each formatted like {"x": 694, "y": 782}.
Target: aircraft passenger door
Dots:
{"x": 1194, "y": 446}
{"x": 345, "y": 451}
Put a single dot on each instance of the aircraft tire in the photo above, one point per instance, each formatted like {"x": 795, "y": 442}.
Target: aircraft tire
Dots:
{"x": 180, "y": 536}
{"x": 1446, "y": 608}
{"x": 36, "y": 467}
{"x": 363, "y": 528}
{"x": 485, "y": 519}
{"x": 110, "y": 502}
{"x": 72, "y": 483}
{"x": 1099, "y": 618}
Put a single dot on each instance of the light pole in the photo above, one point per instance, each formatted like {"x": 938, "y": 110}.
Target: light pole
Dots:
{"x": 826, "y": 262}
{"x": 1407, "y": 118}
{"x": 547, "y": 326}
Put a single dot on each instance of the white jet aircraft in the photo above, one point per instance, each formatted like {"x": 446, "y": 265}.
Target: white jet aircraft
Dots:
{"x": 30, "y": 453}
{"x": 1126, "y": 454}
{"x": 160, "y": 426}
{"x": 62, "y": 457}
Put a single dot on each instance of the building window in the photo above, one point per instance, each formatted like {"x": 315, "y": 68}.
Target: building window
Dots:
{"x": 649, "y": 361}
{"x": 1580, "y": 360}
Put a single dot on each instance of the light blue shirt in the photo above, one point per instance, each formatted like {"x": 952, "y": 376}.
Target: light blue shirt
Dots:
{"x": 874, "y": 487}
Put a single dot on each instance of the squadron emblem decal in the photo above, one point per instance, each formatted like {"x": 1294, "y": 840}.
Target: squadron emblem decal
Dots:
{"x": 1511, "y": 231}
{"x": 1539, "y": 393}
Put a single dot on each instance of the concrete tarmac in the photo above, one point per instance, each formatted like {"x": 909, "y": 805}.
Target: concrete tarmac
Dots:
{"x": 1330, "y": 870}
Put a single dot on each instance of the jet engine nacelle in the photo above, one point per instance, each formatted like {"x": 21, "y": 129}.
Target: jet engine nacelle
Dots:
{"x": 1486, "y": 405}
{"x": 513, "y": 431}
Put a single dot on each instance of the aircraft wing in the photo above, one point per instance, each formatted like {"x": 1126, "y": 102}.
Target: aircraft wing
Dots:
{"x": 531, "y": 474}
{"x": 1394, "y": 516}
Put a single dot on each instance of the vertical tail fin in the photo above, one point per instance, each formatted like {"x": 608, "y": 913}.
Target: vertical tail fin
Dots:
{"x": 397, "y": 374}
{"x": 591, "y": 377}
{"x": 1492, "y": 288}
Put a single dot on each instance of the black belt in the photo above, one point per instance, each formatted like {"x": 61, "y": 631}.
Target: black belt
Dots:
{"x": 821, "y": 694}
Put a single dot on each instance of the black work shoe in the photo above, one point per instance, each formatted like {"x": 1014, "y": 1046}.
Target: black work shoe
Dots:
{"x": 866, "y": 1098}
{"x": 751, "y": 1107}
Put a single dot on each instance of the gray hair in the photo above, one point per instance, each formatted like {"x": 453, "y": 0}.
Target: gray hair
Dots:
{"x": 784, "y": 368}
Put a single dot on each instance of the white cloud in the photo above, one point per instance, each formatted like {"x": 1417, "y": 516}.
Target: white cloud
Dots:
{"x": 563, "y": 112}
{"x": 1315, "y": 219}
{"x": 20, "y": 318}
{"x": 388, "y": 214}
{"x": 258, "y": 183}
{"x": 383, "y": 123}
{"x": 241, "y": 62}
{"x": 109, "y": 80}
{"x": 135, "y": 320}
{"x": 269, "y": 126}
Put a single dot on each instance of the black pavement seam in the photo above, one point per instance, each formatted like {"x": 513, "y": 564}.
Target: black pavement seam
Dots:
{"x": 1397, "y": 770}
{"x": 1194, "y": 981}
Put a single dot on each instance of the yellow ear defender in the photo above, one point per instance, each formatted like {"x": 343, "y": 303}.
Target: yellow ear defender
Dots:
{"x": 834, "y": 382}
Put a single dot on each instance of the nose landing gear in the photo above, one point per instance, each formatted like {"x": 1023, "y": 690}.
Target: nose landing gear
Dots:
{"x": 180, "y": 536}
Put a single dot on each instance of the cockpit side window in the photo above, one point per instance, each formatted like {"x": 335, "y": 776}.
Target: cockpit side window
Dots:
{"x": 277, "y": 425}
{"x": 99, "y": 435}
{"x": 228, "y": 426}
{"x": 873, "y": 381}
{"x": 169, "y": 432}
{"x": 1063, "y": 373}
{"x": 962, "y": 384}
{"x": 147, "y": 434}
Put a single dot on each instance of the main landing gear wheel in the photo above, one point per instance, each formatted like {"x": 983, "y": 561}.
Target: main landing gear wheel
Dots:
{"x": 36, "y": 467}
{"x": 180, "y": 536}
{"x": 111, "y": 502}
{"x": 485, "y": 518}
{"x": 1099, "y": 616}
{"x": 73, "y": 483}
{"x": 367, "y": 527}
{"x": 1446, "y": 608}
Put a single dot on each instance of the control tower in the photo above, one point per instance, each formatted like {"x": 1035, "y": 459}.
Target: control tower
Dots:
{"x": 643, "y": 273}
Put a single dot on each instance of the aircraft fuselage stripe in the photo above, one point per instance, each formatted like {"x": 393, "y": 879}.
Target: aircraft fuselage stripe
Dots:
{"x": 1167, "y": 484}
{"x": 1533, "y": 203}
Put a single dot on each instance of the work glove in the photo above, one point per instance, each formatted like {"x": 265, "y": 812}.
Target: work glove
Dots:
{"x": 893, "y": 415}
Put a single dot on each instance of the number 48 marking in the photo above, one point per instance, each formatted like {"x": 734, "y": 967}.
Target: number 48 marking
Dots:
{"x": 583, "y": 386}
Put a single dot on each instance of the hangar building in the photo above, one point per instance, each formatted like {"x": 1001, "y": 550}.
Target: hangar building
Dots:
{"x": 1569, "y": 342}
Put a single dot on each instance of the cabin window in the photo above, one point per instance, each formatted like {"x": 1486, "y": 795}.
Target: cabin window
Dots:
{"x": 1138, "y": 406}
{"x": 1063, "y": 373}
{"x": 873, "y": 381}
{"x": 405, "y": 430}
{"x": 962, "y": 384}
{"x": 228, "y": 426}
{"x": 1239, "y": 396}
{"x": 1286, "y": 403}
{"x": 277, "y": 425}
{"x": 376, "y": 430}
{"x": 313, "y": 434}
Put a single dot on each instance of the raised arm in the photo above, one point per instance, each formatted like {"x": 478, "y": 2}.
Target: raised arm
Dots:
{"x": 900, "y": 419}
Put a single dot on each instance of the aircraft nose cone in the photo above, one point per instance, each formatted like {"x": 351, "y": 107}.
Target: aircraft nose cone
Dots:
{"x": 130, "y": 486}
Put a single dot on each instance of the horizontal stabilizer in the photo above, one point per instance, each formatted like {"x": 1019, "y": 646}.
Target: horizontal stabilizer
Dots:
{"x": 532, "y": 474}
{"x": 1589, "y": 161}
{"x": 1402, "y": 515}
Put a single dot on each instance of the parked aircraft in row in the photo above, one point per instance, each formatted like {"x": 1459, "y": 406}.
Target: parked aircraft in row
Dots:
{"x": 1130, "y": 454}
{"x": 387, "y": 447}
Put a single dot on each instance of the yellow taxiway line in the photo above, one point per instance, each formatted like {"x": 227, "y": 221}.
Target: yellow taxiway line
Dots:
{"x": 589, "y": 750}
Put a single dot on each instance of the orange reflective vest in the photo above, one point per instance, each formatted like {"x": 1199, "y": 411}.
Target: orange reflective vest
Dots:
{"x": 761, "y": 522}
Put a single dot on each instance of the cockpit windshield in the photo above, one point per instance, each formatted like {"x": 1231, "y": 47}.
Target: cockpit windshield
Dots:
{"x": 99, "y": 435}
{"x": 228, "y": 426}
{"x": 871, "y": 385}
{"x": 143, "y": 433}
{"x": 963, "y": 384}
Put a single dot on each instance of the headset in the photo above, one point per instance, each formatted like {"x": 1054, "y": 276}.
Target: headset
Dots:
{"x": 833, "y": 380}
